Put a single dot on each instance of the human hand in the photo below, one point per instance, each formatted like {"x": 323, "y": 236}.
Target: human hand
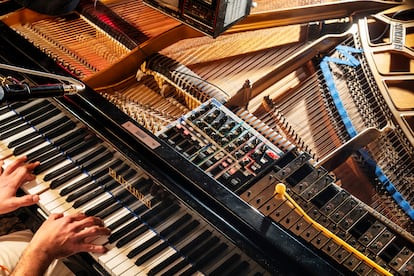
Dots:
{"x": 61, "y": 236}
{"x": 11, "y": 178}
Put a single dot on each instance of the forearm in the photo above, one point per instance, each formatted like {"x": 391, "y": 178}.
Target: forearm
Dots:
{"x": 33, "y": 262}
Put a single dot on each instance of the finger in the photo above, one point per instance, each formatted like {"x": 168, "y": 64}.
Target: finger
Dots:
{"x": 1, "y": 166}
{"x": 91, "y": 221}
{"x": 55, "y": 216}
{"x": 88, "y": 222}
{"x": 32, "y": 166}
{"x": 93, "y": 232}
{"x": 93, "y": 248}
{"x": 21, "y": 175}
{"x": 18, "y": 162}
{"x": 76, "y": 217}
{"x": 26, "y": 200}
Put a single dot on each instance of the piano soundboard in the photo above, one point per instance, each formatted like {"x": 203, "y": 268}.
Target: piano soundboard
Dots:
{"x": 281, "y": 147}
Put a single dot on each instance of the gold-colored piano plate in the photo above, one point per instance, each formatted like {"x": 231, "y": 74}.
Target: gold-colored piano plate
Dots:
{"x": 129, "y": 64}
{"x": 271, "y": 13}
{"x": 401, "y": 93}
{"x": 143, "y": 18}
{"x": 22, "y": 16}
{"x": 231, "y": 59}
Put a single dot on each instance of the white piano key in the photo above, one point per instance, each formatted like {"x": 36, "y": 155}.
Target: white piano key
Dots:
{"x": 72, "y": 181}
{"x": 7, "y": 115}
{"x": 53, "y": 168}
{"x": 159, "y": 258}
{"x": 18, "y": 135}
{"x": 94, "y": 202}
{"x": 121, "y": 263}
{"x": 59, "y": 205}
{"x": 114, "y": 251}
{"x": 168, "y": 251}
{"x": 116, "y": 216}
{"x": 35, "y": 186}
{"x": 44, "y": 144}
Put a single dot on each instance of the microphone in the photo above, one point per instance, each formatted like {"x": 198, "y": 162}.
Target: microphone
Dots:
{"x": 23, "y": 92}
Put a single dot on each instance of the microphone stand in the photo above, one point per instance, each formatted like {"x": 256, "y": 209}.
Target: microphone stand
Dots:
{"x": 71, "y": 85}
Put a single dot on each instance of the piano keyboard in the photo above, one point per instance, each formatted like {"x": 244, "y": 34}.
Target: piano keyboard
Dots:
{"x": 152, "y": 232}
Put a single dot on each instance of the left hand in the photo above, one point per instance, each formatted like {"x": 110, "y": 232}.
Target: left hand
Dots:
{"x": 11, "y": 178}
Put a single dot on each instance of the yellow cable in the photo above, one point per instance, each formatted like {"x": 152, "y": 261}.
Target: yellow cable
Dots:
{"x": 280, "y": 189}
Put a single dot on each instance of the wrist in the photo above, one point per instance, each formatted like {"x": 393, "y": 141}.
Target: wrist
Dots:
{"x": 40, "y": 255}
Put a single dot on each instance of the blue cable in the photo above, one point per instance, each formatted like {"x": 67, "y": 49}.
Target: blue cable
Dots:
{"x": 350, "y": 60}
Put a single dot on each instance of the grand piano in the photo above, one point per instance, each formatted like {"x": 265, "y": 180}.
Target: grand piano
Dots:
{"x": 279, "y": 145}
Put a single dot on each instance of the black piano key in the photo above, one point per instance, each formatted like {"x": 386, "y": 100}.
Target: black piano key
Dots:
{"x": 131, "y": 236}
{"x": 176, "y": 225}
{"x": 4, "y": 110}
{"x": 24, "y": 110}
{"x": 83, "y": 159}
{"x": 205, "y": 260}
{"x": 13, "y": 123}
{"x": 107, "y": 184}
{"x": 51, "y": 131}
{"x": 4, "y": 124}
{"x": 38, "y": 112}
{"x": 63, "y": 170}
{"x": 16, "y": 105}
{"x": 33, "y": 155}
{"x": 46, "y": 156}
{"x": 193, "y": 256}
{"x": 75, "y": 136}
{"x": 186, "y": 249}
{"x": 35, "y": 115}
{"x": 109, "y": 210}
{"x": 121, "y": 221}
{"x": 127, "y": 217}
{"x": 81, "y": 191}
{"x": 243, "y": 266}
{"x": 152, "y": 252}
{"x": 64, "y": 178}
{"x": 180, "y": 235}
{"x": 14, "y": 131}
{"x": 44, "y": 117}
{"x": 98, "y": 160}
{"x": 124, "y": 230}
{"x": 79, "y": 148}
{"x": 220, "y": 270}
{"x": 137, "y": 211}
{"x": 90, "y": 196}
{"x": 49, "y": 164}
{"x": 95, "y": 162}
{"x": 27, "y": 146}
{"x": 21, "y": 112}
{"x": 100, "y": 206}
{"x": 153, "y": 222}
{"x": 79, "y": 188}
{"x": 27, "y": 137}
{"x": 177, "y": 267}
{"x": 81, "y": 183}
{"x": 155, "y": 218}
